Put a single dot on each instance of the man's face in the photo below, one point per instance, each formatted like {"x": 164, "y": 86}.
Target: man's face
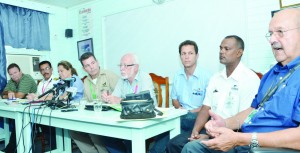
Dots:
{"x": 285, "y": 38}
{"x": 188, "y": 56}
{"x": 229, "y": 52}
{"x": 128, "y": 68}
{"x": 46, "y": 71}
{"x": 91, "y": 66}
{"x": 15, "y": 74}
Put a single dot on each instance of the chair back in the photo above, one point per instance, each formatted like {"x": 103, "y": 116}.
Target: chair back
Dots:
{"x": 83, "y": 78}
{"x": 158, "y": 82}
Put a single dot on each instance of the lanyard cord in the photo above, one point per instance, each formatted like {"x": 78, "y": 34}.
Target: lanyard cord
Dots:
{"x": 92, "y": 91}
{"x": 271, "y": 92}
{"x": 44, "y": 88}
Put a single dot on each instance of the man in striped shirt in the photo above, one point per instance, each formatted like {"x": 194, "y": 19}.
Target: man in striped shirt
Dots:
{"x": 19, "y": 85}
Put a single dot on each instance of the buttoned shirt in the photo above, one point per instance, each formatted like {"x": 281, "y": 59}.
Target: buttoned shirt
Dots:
{"x": 229, "y": 95}
{"x": 190, "y": 92}
{"x": 282, "y": 110}
{"x": 141, "y": 82}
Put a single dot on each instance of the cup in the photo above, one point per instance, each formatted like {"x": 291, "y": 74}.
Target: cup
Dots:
{"x": 97, "y": 105}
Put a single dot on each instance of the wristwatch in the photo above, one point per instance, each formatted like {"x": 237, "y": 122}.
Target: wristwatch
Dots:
{"x": 254, "y": 142}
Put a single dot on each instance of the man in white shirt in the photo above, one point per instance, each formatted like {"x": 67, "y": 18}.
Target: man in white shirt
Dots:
{"x": 46, "y": 84}
{"x": 228, "y": 92}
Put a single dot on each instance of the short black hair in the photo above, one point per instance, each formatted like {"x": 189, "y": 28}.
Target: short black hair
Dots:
{"x": 45, "y": 62}
{"x": 86, "y": 56}
{"x": 239, "y": 41}
{"x": 12, "y": 65}
{"x": 188, "y": 42}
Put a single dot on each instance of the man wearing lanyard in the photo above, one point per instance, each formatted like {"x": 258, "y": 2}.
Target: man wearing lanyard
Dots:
{"x": 96, "y": 83}
{"x": 47, "y": 82}
{"x": 273, "y": 118}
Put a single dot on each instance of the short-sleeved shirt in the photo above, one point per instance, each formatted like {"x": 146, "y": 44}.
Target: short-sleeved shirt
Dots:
{"x": 26, "y": 85}
{"x": 190, "y": 92}
{"x": 282, "y": 110}
{"x": 229, "y": 95}
{"x": 141, "y": 82}
{"x": 46, "y": 85}
{"x": 106, "y": 80}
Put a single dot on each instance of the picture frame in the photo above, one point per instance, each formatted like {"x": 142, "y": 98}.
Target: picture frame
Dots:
{"x": 289, "y": 3}
{"x": 84, "y": 46}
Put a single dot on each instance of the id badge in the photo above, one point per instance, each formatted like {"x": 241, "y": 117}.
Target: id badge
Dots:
{"x": 250, "y": 116}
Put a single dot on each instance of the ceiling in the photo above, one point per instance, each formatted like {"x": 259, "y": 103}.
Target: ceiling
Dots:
{"x": 62, "y": 3}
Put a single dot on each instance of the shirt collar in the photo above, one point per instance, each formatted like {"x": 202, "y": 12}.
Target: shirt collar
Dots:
{"x": 236, "y": 75}
{"x": 278, "y": 67}
{"x": 197, "y": 72}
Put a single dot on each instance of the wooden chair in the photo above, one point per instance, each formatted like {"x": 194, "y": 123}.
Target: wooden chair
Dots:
{"x": 158, "y": 82}
{"x": 82, "y": 79}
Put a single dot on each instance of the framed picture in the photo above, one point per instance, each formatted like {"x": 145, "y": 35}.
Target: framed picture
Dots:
{"x": 84, "y": 46}
{"x": 289, "y": 3}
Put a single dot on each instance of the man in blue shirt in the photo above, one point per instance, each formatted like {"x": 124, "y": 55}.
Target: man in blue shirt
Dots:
{"x": 272, "y": 121}
{"x": 188, "y": 91}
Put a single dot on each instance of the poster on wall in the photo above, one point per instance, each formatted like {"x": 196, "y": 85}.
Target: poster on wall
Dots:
{"x": 85, "y": 24}
{"x": 84, "y": 46}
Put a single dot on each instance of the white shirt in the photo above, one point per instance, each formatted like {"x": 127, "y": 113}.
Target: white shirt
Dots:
{"x": 46, "y": 85}
{"x": 229, "y": 95}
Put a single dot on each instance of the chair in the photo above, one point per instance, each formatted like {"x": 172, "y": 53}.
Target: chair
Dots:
{"x": 83, "y": 78}
{"x": 158, "y": 81}
{"x": 260, "y": 75}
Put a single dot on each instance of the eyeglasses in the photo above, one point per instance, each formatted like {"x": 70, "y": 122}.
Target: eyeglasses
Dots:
{"x": 46, "y": 69}
{"x": 125, "y": 66}
{"x": 279, "y": 33}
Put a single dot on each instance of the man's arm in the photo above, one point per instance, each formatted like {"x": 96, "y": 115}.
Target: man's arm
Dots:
{"x": 176, "y": 103}
{"x": 200, "y": 121}
{"x": 14, "y": 94}
{"x": 237, "y": 120}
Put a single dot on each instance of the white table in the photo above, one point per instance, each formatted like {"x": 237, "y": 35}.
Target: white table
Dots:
{"x": 102, "y": 123}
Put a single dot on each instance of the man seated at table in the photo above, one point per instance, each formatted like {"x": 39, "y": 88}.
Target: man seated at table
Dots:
{"x": 17, "y": 87}
{"x": 46, "y": 84}
{"x": 97, "y": 82}
{"x": 132, "y": 81}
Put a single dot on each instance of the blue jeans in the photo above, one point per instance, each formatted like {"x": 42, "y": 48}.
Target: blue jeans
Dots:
{"x": 197, "y": 146}
{"x": 115, "y": 145}
{"x": 187, "y": 124}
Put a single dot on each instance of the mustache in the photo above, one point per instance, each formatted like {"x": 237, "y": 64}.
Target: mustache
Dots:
{"x": 276, "y": 45}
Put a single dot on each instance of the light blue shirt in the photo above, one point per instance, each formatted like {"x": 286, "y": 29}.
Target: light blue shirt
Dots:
{"x": 190, "y": 92}
{"x": 78, "y": 84}
{"x": 141, "y": 82}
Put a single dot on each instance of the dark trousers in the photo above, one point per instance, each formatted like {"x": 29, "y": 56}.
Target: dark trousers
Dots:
{"x": 176, "y": 144}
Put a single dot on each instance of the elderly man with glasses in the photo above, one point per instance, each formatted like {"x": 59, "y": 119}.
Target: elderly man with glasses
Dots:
{"x": 46, "y": 84}
{"x": 132, "y": 80}
{"x": 273, "y": 118}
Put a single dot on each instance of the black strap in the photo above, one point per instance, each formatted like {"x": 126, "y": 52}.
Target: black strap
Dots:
{"x": 271, "y": 92}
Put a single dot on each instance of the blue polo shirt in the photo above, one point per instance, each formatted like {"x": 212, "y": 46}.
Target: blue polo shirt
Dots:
{"x": 282, "y": 110}
{"x": 190, "y": 93}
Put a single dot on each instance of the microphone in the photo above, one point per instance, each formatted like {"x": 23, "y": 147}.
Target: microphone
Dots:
{"x": 70, "y": 81}
{"x": 72, "y": 90}
{"x": 47, "y": 92}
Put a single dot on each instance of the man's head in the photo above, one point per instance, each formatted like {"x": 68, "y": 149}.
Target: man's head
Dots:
{"x": 14, "y": 72}
{"x": 188, "y": 51}
{"x": 90, "y": 64}
{"x": 284, "y": 34}
{"x": 231, "y": 50}
{"x": 46, "y": 69}
{"x": 129, "y": 66}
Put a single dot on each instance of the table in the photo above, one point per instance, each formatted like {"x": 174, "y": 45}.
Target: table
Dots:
{"x": 101, "y": 123}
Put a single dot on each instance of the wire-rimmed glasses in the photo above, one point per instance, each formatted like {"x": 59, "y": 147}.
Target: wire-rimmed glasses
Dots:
{"x": 278, "y": 33}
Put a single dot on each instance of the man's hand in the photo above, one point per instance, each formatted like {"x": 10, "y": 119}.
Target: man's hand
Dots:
{"x": 198, "y": 137}
{"x": 216, "y": 121}
{"x": 226, "y": 140}
{"x": 31, "y": 96}
{"x": 11, "y": 95}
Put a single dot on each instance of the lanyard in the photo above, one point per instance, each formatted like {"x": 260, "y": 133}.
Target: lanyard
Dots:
{"x": 271, "y": 92}
{"x": 94, "y": 96}
{"x": 44, "y": 88}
